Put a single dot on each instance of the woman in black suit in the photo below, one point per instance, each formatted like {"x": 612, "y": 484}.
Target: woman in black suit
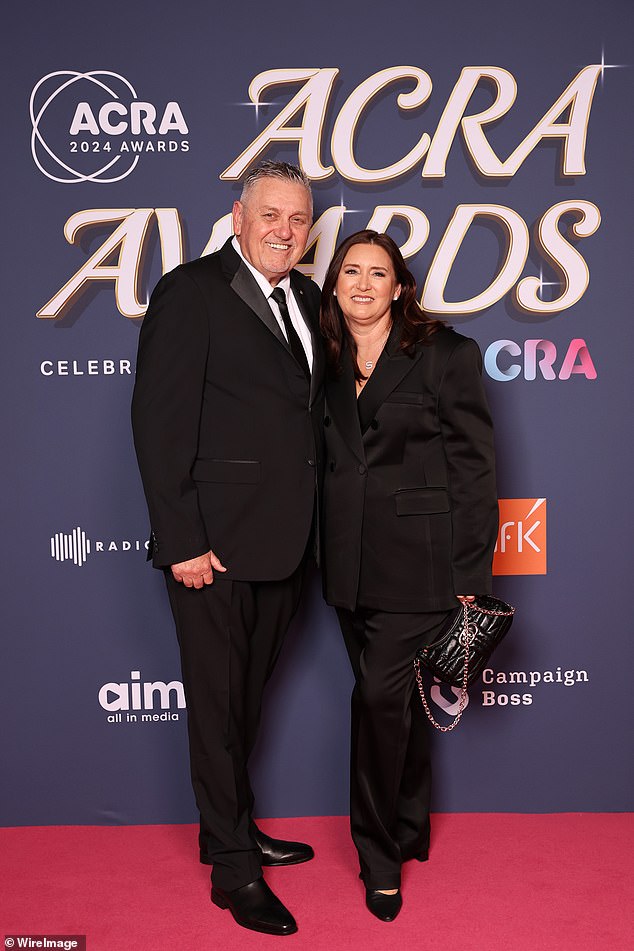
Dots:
{"x": 410, "y": 522}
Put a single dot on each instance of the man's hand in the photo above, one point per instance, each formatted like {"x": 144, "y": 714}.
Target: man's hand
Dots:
{"x": 465, "y": 597}
{"x": 198, "y": 572}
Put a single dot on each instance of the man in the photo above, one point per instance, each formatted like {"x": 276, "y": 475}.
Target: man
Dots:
{"x": 226, "y": 412}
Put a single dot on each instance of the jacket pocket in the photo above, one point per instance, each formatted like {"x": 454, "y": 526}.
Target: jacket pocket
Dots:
{"x": 399, "y": 396}
{"x": 237, "y": 471}
{"x": 428, "y": 500}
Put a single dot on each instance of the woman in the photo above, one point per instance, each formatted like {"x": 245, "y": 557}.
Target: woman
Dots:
{"x": 410, "y": 522}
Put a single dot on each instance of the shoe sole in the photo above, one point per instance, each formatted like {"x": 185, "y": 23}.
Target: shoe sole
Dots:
{"x": 262, "y": 929}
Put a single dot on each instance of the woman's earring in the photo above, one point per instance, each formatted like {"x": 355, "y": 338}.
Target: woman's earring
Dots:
{"x": 334, "y": 293}
{"x": 397, "y": 297}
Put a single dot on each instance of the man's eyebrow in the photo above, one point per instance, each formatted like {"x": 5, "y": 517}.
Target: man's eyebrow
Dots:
{"x": 298, "y": 213}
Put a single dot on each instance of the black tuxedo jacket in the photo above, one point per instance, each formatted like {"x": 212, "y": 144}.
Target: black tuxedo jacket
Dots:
{"x": 227, "y": 428}
{"x": 410, "y": 504}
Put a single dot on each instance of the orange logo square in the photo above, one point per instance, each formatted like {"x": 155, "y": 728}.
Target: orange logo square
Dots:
{"x": 521, "y": 545}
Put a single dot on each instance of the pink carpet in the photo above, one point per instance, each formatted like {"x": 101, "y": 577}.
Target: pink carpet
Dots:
{"x": 493, "y": 883}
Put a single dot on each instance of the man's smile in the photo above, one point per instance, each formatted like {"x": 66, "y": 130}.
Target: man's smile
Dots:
{"x": 279, "y": 247}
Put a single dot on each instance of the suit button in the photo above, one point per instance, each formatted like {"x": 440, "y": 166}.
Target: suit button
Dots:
{"x": 311, "y": 462}
{"x": 362, "y": 469}
{"x": 374, "y": 424}
{"x": 326, "y": 420}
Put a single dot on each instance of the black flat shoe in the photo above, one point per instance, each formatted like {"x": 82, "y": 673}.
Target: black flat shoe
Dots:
{"x": 274, "y": 851}
{"x": 254, "y": 906}
{"x": 384, "y": 907}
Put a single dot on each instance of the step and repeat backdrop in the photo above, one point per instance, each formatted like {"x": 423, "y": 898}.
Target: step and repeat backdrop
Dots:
{"x": 494, "y": 143}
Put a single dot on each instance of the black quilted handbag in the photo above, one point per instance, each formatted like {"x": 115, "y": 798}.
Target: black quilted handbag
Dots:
{"x": 463, "y": 647}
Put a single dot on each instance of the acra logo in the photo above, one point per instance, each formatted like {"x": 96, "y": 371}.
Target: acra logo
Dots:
{"x": 93, "y": 127}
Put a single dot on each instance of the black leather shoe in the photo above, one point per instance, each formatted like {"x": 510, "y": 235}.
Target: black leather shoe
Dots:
{"x": 274, "y": 851}
{"x": 254, "y": 906}
{"x": 384, "y": 907}
{"x": 280, "y": 852}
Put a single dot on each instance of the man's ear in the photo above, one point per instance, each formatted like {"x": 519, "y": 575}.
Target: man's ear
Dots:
{"x": 236, "y": 214}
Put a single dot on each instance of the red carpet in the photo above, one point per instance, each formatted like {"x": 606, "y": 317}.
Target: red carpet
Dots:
{"x": 493, "y": 883}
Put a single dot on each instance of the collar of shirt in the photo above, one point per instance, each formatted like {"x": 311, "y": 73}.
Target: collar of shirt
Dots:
{"x": 267, "y": 289}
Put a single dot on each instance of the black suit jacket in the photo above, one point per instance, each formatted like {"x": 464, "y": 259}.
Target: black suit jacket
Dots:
{"x": 227, "y": 428}
{"x": 410, "y": 504}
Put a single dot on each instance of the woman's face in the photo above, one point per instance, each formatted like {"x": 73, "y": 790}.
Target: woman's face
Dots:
{"x": 366, "y": 285}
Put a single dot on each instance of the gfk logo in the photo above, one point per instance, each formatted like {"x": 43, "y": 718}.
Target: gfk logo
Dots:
{"x": 521, "y": 544}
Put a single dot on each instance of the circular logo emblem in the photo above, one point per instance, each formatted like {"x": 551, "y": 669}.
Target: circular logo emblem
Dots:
{"x": 53, "y": 105}
{"x": 468, "y": 635}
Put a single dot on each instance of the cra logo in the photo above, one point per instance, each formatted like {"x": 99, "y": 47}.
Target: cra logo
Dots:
{"x": 92, "y": 126}
{"x": 538, "y": 359}
{"x": 521, "y": 545}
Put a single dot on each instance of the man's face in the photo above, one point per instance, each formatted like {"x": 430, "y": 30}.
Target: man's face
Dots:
{"x": 272, "y": 226}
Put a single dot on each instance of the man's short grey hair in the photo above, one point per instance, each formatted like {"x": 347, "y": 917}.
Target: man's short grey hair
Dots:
{"x": 283, "y": 171}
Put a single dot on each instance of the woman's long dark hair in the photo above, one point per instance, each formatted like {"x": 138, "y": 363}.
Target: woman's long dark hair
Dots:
{"x": 416, "y": 327}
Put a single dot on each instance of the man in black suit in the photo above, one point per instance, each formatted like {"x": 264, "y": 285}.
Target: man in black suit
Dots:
{"x": 227, "y": 414}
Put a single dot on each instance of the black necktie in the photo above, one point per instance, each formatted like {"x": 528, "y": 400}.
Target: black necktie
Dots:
{"x": 295, "y": 343}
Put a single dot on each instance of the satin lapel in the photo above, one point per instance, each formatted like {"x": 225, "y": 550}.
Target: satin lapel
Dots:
{"x": 245, "y": 286}
{"x": 392, "y": 366}
{"x": 342, "y": 405}
{"x": 312, "y": 322}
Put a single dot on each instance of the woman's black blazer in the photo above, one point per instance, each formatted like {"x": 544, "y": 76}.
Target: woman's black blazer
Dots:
{"x": 410, "y": 504}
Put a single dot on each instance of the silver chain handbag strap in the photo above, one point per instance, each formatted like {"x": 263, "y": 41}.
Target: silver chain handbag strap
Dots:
{"x": 466, "y": 638}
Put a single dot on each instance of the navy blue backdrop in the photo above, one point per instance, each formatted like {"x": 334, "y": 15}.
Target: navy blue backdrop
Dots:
{"x": 124, "y": 133}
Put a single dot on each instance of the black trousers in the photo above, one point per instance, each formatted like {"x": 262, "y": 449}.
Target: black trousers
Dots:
{"x": 230, "y": 634}
{"x": 390, "y": 770}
